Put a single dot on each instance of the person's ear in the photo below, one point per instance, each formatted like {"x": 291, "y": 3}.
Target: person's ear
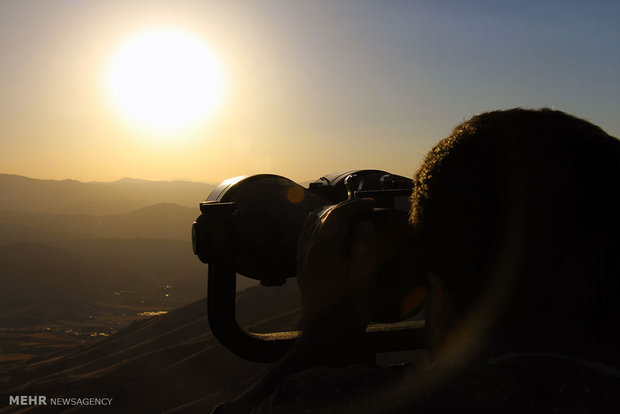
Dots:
{"x": 441, "y": 317}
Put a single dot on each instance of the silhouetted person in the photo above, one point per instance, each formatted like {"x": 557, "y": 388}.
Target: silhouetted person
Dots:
{"x": 516, "y": 216}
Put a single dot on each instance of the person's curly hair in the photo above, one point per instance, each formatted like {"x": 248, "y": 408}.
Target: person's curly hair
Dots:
{"x": 570, "y": 170}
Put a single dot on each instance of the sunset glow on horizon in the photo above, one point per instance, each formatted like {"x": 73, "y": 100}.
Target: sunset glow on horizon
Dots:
{"x": 207, "y": 90}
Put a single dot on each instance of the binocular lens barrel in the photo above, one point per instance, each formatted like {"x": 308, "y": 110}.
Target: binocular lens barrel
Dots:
{"x": 253, "y": 223}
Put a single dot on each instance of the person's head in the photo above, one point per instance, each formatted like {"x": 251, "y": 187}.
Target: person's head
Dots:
{"x": 559, "y": 176}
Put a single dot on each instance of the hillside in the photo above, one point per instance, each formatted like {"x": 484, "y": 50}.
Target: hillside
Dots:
{"x": 168, "y": 363}
{"x": 117, "y": 272}
{"x": 162, "y": 221}
{"x": 55, "y": 297}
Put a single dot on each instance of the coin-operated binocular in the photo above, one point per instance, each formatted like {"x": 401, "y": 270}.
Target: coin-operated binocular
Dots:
{"x": 250, "y": 225}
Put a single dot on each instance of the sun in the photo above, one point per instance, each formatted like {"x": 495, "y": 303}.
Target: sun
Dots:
{"x": 164, "y": 81}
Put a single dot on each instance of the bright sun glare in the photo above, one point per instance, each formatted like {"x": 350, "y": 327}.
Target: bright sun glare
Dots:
{"x": 165, "y": 81}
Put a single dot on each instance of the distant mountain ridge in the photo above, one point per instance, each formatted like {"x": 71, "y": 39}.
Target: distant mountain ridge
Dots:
{"x": 95, "y": 198}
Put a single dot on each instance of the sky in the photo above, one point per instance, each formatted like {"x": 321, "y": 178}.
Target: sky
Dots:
{"x": 304, "y": 88}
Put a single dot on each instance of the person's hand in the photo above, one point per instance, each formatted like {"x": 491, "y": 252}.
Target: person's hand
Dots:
{"x": 337, "y": 259}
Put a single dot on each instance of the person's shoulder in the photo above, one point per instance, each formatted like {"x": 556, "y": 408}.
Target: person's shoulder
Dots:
{"x": 516, "y": 383}
{"x": 531, "y": 383}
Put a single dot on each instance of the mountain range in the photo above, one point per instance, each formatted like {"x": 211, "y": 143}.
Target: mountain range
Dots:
{"x": 79, "y": 260}
{"x": 95, "y": 198}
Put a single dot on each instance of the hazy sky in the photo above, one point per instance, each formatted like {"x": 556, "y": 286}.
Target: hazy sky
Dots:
{"x": 310, "y": 86}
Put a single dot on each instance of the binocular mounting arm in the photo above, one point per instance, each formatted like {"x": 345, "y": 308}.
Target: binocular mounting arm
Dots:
{"x": 269, "y": 347}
